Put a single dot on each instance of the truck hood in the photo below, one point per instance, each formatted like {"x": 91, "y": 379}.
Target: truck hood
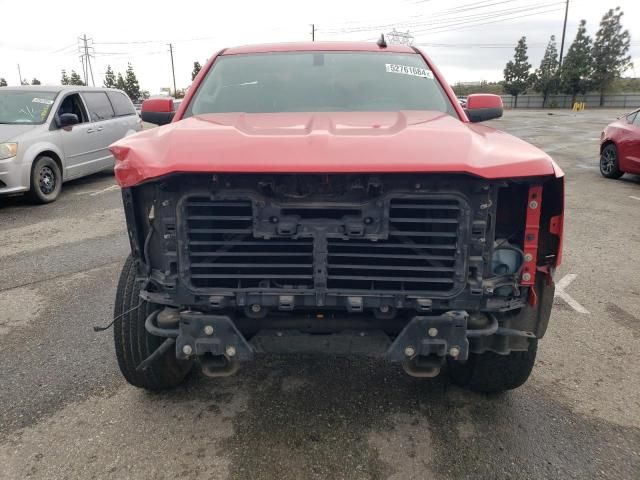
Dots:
{"x": 332, "y": 142}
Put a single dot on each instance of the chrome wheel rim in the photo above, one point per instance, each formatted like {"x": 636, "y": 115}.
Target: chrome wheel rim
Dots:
{"x": 47, "y": 180}
{"x": 607, "y": 160}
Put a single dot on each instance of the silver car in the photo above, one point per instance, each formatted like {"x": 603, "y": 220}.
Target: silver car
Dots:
{"x": 51, "y": 134}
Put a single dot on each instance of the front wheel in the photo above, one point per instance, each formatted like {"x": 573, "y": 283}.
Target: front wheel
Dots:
{"x": 609, "y": 166}
{"x": 134, "y": 344}
{"x": 490, "y": 373}
{"x": 46, "y": 180}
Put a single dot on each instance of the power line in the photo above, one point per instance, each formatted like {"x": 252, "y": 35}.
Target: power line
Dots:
{"x": 146, "y": 42}
{"x": 132, "y": 54}
{"x": 451, "y": 17}
{"x": 73, "y": 45}
{"x": 460, "y": 8}
{"x": 478, "y": 45}
{"x": 472, "y": 6}
{"x": 442, "y": 13}
{"x": 472, "y": 23}
{"x": 504, "y": 14}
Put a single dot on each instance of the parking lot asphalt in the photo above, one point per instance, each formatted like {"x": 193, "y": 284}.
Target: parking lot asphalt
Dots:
{"x": 66, "y": 413}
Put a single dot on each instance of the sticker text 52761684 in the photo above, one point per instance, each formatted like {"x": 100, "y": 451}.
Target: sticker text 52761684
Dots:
{"x": 407, "y": 70}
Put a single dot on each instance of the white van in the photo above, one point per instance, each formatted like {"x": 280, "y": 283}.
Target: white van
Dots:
{"x": 51, "y": 134}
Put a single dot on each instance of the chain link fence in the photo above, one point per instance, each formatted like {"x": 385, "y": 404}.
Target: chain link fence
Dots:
{"x": 628, "y": 101}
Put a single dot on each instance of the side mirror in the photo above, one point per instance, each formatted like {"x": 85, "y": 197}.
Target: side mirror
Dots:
{"x": 158, "y": 110}
{"x": 483, "y": 106}
{"x": 67, "y": 120}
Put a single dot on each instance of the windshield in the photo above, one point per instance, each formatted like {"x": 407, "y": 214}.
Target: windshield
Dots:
{"x": 317, "y": 82}
{"x": 27, "y": 108}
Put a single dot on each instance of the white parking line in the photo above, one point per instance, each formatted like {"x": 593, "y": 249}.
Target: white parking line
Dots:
{"x": 93, "y": 193}
{"x": 635, "y": 198}
{"x": 587, "y": 167}
{"x": 564, "y": 283}
{"x": 105, "y": 190}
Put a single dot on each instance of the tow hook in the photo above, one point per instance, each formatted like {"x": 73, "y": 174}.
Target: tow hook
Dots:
{"x": 426, "y": 341}
{"x": 213, "y": 339}
{"x": 423, "y": 367}
{"x": 216, "y": 366}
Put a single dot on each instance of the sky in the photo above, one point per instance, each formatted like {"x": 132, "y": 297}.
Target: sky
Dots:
{"x": 469, "y": 40}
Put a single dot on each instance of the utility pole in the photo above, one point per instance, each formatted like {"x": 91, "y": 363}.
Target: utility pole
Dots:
{"x": 86, "y": 51}
{"x": 84, "y": 69}
{"x": 564, "y": 29}
{"x": 85, "y": 59}
{"x": 313, "y": 32}
{"x": 20, "y": 75}
{"x": 86, "y": 64}
{"x": 173, "y": 71}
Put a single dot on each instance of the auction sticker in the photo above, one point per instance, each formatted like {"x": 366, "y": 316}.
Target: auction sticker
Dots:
{"x": 42, "y": 100}
{"x": 407, "y": 70}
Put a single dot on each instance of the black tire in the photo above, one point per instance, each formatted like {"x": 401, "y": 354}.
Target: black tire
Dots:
{"x": 490, "y": 373}
{"x": 609, "y": 167}
{"x": 46, "y": 180}
{"x": 134, "y": 344}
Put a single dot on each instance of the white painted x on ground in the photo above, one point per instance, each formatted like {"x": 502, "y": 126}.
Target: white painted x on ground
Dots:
{"x": 564, "y": 283}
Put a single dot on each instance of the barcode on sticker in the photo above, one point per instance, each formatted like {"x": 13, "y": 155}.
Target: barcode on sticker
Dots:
{"x": 408, "y": 70}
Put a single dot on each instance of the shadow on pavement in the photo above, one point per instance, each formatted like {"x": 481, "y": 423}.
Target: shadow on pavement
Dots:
{"x": 318, "y": 417}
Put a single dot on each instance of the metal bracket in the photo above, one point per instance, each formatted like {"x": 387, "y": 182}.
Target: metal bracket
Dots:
{"x": 425, "y": 336}
{"x": 214, "y": 334}
{"x": 532, "y": 229}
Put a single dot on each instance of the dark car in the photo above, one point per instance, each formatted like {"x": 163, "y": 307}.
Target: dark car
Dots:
{"x": 620, "y": 146}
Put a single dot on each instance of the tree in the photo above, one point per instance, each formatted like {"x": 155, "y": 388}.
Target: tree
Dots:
{"x": 3, "y": 82}
{"x": 575, "y": 71}
{"x": 132, "y": 87}
{"x": 196, "y": 69}
{"x": 74, "y": 79}
{"x": 65, "y": 79}
{"x": 35, "y": 81}
{"x": 609, "y": 52}
{"x": 516, "y": 72}
{"x": 120, "y": 85}
{"x": 109, "y": 78}
{"x": 545, "y": 78}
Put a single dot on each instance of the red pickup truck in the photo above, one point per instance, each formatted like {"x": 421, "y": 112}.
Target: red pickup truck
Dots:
{"x": 333, "y": 198}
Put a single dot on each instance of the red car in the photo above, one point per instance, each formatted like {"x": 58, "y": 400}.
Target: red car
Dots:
{"x": 620, "y": 146}
{"x": 333, "y": 198}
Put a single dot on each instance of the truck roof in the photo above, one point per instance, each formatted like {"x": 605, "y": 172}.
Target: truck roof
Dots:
{"x": 317, "y": 46}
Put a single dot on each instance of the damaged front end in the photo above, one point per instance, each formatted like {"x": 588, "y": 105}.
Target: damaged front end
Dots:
{"x": 415, "y": 268}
